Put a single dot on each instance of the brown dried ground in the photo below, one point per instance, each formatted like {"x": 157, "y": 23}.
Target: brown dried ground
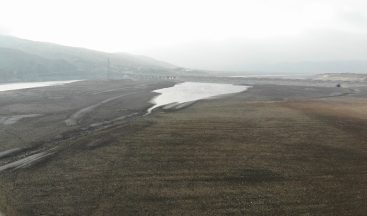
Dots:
{"x": 274, "y": 150}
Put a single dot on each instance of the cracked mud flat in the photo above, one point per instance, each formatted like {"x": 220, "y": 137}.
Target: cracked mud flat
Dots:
{"x": 271, "y": 150}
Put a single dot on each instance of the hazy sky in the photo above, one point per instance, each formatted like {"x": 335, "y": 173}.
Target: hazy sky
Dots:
{"x": 209, "y": 34}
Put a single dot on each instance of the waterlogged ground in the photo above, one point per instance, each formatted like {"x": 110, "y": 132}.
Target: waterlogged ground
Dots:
{"x": 187, "y": 92}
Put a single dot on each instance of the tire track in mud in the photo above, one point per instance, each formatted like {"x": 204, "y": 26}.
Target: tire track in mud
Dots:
{"x": 74, "y": 118}
{"x": 19, "y": 158}
{"x": 14, "y": 159}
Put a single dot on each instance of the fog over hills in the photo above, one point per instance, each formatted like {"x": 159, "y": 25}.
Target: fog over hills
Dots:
{"x": 25, "y": 60}
{"x": 232, "y": 36}
{"x": 322, "y": 51}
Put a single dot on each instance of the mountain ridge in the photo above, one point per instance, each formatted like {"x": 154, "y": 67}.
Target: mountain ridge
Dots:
{"x": 27, "y": 60}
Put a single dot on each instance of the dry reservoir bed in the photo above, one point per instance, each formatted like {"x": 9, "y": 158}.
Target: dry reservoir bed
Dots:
{"x": 272, "y": 150}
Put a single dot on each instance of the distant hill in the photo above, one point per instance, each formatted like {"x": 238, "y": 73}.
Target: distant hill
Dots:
{"x": 25, "y": 60}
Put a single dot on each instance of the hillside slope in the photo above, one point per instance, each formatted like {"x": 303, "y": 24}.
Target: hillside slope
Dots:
{"x": 25, "y": 60}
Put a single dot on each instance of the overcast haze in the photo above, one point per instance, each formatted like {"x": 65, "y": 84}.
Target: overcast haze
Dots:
{"x": 203, "y": 34}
